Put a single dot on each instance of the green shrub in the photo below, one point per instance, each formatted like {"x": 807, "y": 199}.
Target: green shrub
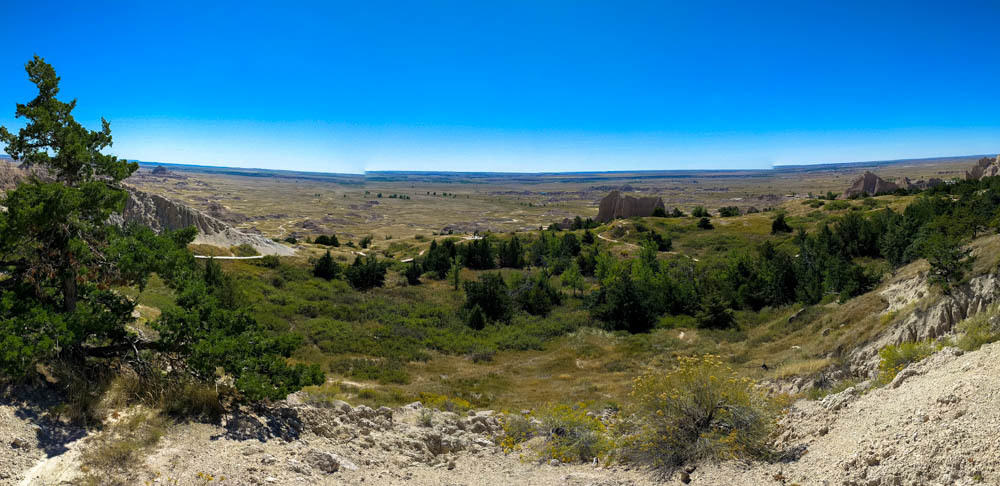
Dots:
{"x": 699, "y": 410}
{"x": 413, "y": 273}
{"x": 446, "y": 403}
{"x": 517, "y": 429}
{"x": 979, "y": 329}
{"x": 779, "y": 225}
{"x": 837, "y": 205}
{"x": 491, "y": 295}
{"x": 326, "y": 268}
{"x": 729, "y": 211}
{"x": 269, "y": 261}
{"x": 327, "y": 240}
{"x": 570, "y": 434}
{"x": 244, "y": 250}
{"x": 381, "y": 370}
{"x": 366, "y": 273}
{"x": 895, "y": 357}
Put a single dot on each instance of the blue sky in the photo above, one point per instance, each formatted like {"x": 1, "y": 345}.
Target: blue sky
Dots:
{"x": 518, "y": 86}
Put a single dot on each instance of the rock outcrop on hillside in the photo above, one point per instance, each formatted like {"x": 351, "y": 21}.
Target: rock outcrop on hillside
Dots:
{"x": 296, "y": 443}
{"x": 985, "y": 167}
{"x": 921, "y": 184}
{"x": 9, "y": 174}
{"x": 160, "y": 213}
{"x": 931, "y": 322}
{"x": 936, "y": 423}
{"x": 869, "y": 184}
{"x": 615, "y": 205}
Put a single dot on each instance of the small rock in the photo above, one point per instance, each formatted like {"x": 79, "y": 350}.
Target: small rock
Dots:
{"x": 451, "y": 465}
{"x": 903, "y": 376}
{"x": 296, "y": 466}
{"x": 19, "y": 443}
{"x": 268, "y": 459}
{"x": 324, "y": 461}
{"x": 948, "y": 399}
{"x": 685, "y": 477}
{"x": 554, "y": 462}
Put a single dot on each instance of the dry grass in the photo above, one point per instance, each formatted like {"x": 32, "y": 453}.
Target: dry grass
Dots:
{"x": 111, "y": 456}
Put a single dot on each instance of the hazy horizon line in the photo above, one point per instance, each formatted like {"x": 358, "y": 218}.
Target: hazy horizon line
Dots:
{"x": 774, "y": 166}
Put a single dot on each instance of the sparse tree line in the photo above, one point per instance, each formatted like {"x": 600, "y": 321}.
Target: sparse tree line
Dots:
{"x": 836, "y": 260}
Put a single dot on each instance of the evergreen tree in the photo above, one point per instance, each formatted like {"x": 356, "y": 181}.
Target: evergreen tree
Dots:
{"x": 779, "y": 225}
{"x": 715, "y": 315}
{"x": 570, "y": 246}
{"x": 478, "y": 254}
{"x": 537, "y": 296}
{"x": 476, "y": 319}
{"x": 326, "y": 268}
{"x": 619, "y": 304}
{"x": 366, "y": 273}
{"x": 572, "y": 278}
{"x": 491, "y": 295}
{"x": 413, "y": 272}
{"x": 455, "y": 273}
{"x": 65, "y": 264}
{"x": 948, "y": 260}
{"x": 438, "y": 260}
{"x": 511, "y": 253}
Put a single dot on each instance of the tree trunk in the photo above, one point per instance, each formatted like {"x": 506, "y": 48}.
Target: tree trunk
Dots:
{"x": 69, "y": 290}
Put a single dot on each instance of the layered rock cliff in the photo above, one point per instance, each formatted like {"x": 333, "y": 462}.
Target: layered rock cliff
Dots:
{"x": 985, "y": 167}
{"x": 615, "y": 206}
{"x": 869, "y": 184}
{"x": 160, "y": 213}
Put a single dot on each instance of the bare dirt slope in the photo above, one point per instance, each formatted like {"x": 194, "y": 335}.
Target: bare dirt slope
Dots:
{"x": 939, "y": 425}
{"x": 302, "y": 444}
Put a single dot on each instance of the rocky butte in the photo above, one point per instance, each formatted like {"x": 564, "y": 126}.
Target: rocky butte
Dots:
{"x": 615, "y": 206}
{"x": 986, "y": 167}
{"x": 869, "y": 184}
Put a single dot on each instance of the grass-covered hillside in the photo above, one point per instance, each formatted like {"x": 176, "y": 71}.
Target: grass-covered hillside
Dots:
{"x": 573, "y": 315}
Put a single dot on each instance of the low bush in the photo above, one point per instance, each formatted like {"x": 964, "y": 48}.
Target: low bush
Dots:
{"x": 269, "y": 261}
{"x": 244, "y": 250}
{"x": 571, "y": 435}
{"x": 895, "y": 357}
{"x": 837, "y": 205}
{"x": 446, "y": 403}
{"x": 699, "y": 410}
{"x": 979, "y": 329}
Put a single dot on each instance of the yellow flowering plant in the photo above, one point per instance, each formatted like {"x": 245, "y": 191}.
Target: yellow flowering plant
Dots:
{"x": 701, "y": 409}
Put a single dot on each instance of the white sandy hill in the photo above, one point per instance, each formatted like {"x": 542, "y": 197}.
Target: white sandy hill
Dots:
{"x": 937, "y": 424}
{"x": 293, "y": 443}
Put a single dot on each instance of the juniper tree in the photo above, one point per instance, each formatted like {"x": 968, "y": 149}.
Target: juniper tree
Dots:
{"x": 64, "y": 262}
